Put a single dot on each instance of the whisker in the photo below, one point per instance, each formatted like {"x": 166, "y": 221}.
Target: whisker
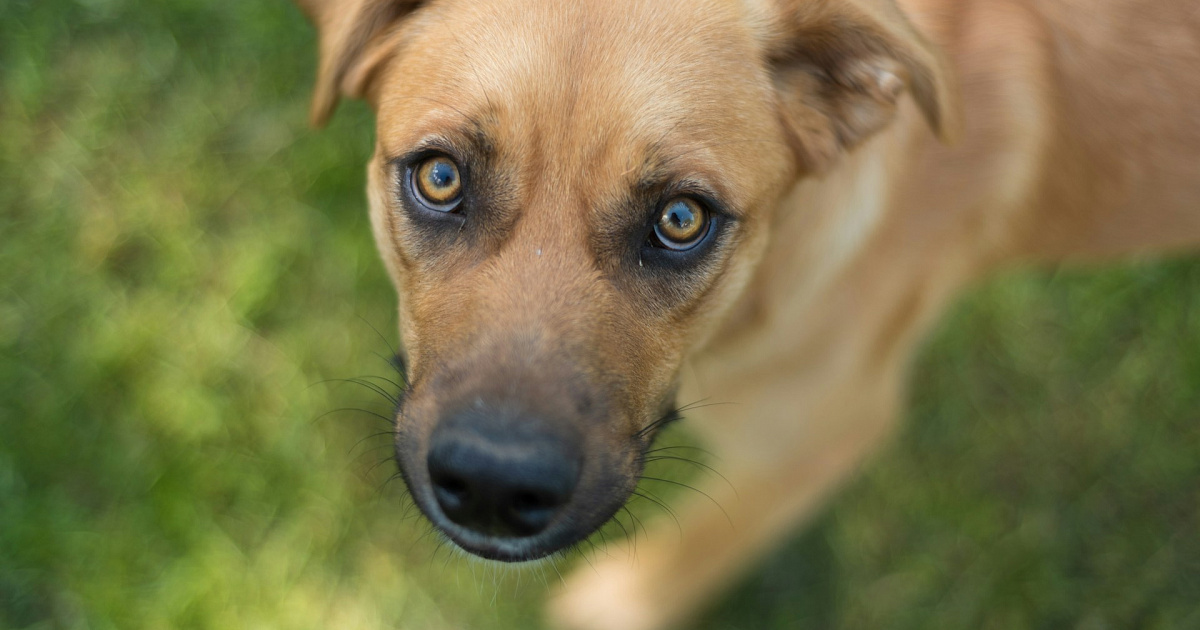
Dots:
{"x": 665, "y": 508}
{"x": 555, "y": 566}
{"x": 701, "y": 404}
{"x": 396, "y": 364}
{"x": 358, "y": 409}
{"x": 637, "y": 522}
{"x": 395, "y": 400}
{"x": 604, "y": 539}
{"x": 380, "y": 463}
{"x": 693, "y": 489}
{"x": 655, "y": 499}
{"x": 682, "y": 447}
{"x": 694, "y": 463}
{"x": 369, "y": 437}
{"x": 398, "y": 386}
{"x": 674, "y": 415}
{"x": 624, "y": 530}
{"x": 379, "y": 490}
{"x": 667, "y": 418}
{"x": 379, "y": 334}
{"x": 585, "y": 556}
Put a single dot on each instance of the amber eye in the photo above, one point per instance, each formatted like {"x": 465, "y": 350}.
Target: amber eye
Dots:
{"x": 682, "y": 224}
{"x": 437, "y": 183}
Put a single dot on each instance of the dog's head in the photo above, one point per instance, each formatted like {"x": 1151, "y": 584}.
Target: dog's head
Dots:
{"x": 568, "y": 197}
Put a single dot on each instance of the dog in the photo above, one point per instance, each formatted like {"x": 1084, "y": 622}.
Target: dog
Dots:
{"x": 593, "y": 209}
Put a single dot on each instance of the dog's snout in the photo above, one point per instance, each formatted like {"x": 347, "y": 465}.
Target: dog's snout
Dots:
{"x": 501, "y": 483}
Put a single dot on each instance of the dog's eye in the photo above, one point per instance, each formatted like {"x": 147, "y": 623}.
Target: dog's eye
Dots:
{"x": 682, "y": 224}
{"x": 437, "y": 183}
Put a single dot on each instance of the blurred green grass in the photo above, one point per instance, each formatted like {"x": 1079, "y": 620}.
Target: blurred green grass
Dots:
{"x": 183, "y": 262}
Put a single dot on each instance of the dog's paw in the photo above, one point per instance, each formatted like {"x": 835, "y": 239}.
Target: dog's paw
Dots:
{"x": 605, "y": 596}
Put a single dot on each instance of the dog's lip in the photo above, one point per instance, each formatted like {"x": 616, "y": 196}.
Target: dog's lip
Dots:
{"x": 499, "y": 549}
{"x": 556, "y": 538}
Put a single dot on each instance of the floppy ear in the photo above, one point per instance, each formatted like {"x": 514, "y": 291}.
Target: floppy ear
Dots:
{"x": 351, "y": 34}
{"x": 840, "y": 68}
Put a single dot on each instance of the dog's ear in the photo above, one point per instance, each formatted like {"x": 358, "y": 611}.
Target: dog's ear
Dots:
{"x": 352, "y": 35}
{"x": 840, "y": 68}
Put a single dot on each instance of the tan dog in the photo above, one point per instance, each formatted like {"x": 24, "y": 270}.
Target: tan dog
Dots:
{"x": 586, "y": 205}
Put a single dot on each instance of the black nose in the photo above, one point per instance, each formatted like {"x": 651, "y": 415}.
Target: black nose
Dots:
{"x": 501, "y": 481}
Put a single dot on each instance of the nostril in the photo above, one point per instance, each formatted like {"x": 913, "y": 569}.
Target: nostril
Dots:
{"x": 522, "y": 501}
{"x": 451, "y": 484}
{"x": 529, "y": 512}
{"x": 452, "y": 492}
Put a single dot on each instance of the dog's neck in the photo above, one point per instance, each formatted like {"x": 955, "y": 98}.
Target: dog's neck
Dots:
{"x": 835, "y": 237}
{"x": 822, "y": 228}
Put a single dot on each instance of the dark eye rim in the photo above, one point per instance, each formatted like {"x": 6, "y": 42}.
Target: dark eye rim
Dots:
{"x": 413, "y": 164}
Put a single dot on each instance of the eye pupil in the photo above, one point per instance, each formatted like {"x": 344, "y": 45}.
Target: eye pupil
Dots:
{"x": 681, "y": 217}
{"x": 442, "y": 175}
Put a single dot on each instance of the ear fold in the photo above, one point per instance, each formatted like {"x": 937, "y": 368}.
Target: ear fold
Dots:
{"x": 841, "y": 67}
{"x": 350, "y": 33}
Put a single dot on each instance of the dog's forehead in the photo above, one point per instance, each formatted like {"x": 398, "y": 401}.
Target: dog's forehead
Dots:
{"x": 620, "y": 48}
{"x": 607, "y": 85}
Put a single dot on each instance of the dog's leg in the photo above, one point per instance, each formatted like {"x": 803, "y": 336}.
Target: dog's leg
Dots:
{"x": 672, "y": 573}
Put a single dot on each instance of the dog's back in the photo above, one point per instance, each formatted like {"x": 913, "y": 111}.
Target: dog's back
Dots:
{"x": 1108, "y": 94}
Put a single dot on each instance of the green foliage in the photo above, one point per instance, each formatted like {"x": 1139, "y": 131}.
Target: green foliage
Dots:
{"x": 183, "y": 263}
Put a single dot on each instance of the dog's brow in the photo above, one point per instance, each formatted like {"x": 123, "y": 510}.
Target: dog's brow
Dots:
{"x": 472, "y": 138}
{"x": 651, "y": 174}
{"x": 659, "y": 170}
{"x": 432, "y": 130}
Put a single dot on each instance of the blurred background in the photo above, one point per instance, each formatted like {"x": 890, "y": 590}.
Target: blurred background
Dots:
{"x": 184, "y": 265}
